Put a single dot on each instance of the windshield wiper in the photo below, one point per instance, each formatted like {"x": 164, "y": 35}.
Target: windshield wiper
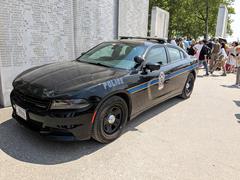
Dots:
{"x": 98, "y": 64}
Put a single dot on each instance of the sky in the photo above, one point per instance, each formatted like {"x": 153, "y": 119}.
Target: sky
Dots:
{"x": 236, "y": 23}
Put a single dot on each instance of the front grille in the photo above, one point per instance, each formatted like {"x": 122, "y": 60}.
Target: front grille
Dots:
{"x": 28, "y": 102}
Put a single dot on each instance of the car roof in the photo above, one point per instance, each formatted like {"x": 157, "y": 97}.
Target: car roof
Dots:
{"x": 137, "y": 42}
{"x": 143, "y": 42}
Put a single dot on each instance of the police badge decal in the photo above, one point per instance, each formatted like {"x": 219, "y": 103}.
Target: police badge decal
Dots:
{"x": 161, "y": 79}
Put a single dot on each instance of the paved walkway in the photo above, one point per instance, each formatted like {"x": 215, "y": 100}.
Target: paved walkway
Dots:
{"x": 194, "y": 139}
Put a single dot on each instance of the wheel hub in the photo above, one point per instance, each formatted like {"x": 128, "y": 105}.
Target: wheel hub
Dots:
{"x": 111, "y": 119}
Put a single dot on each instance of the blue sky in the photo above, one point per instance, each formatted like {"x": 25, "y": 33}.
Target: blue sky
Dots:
{"x": 236, "y": 23}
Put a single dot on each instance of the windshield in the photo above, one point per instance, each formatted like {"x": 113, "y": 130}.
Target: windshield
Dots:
{"x": 115, "y": 55}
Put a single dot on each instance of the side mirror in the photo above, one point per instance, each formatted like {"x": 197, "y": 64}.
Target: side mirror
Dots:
{"x": 139, "y": 60}
{"x": 153, "y": 66}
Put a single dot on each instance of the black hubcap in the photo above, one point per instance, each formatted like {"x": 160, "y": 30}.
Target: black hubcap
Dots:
{"x": 189, "y": 86}
{"x": 112, "y": 120}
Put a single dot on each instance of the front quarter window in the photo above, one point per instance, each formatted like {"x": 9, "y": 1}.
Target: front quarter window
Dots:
{"x": 115, "y": 55}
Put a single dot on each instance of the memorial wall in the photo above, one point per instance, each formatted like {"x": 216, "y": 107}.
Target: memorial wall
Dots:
{"x": 32, "y": 33}
{"x": 95, "y": 22}
{"x": 35, "y": 32}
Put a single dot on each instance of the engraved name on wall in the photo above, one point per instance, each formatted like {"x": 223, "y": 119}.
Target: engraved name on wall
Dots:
{"x": 34, "y": 32}
{"x": 95, "y": 22}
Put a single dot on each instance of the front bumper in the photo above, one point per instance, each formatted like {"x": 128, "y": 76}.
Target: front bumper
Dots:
{"x": 58, "y": 128}
{"x": 56, "y": 124}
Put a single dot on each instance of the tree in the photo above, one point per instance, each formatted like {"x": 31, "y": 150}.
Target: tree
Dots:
{"x": 190, "y": 17}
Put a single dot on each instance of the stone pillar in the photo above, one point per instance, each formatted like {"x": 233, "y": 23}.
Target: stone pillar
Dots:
{"x": 159, "y": 23}
{"x": 133, "y": 17}
{"x": 221, "y": 29}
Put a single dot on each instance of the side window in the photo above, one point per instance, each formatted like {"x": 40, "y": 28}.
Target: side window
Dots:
{"x": 174, "y": 54}
{"x": 157, "y": 55}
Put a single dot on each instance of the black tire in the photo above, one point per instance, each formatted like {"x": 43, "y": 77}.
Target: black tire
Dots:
{"x": 188, "y": 87}
{"x": 103, "y": 129}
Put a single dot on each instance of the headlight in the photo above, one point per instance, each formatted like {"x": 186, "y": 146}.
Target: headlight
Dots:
{"x": 70, "y": 104}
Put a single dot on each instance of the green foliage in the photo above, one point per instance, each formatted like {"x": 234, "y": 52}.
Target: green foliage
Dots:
{"x": 189, "y": 17}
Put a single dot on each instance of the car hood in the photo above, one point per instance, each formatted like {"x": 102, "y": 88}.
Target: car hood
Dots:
{"x": 59, "y": 78}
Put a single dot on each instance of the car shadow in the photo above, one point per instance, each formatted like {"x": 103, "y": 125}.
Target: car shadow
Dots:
{"x": 27, "y": 146}
{"x": 237, "y": 103}
{"x": 230, "y": 86}
{"x": 238, "y": 117}
{"x": 214, "y": 75}
{"x": 200, "y": 76}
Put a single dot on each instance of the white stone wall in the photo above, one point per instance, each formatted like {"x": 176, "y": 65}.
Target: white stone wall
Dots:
{"x": 95, "y": 22}
{"x": 1, "y": 90}
{"x": 33, "y": 32}
{"x": 133, "y": 17}
{"x": 159, "y": 23}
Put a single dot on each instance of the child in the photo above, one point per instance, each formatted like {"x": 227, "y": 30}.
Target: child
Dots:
{"x": 230, "y": 65}
{"x": 231, "y": 62}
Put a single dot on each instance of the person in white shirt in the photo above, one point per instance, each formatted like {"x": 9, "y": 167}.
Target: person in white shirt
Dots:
{"x": 202, "y": 58}
{"x": 198, "y": 48}
{"x": 173, "y": 42}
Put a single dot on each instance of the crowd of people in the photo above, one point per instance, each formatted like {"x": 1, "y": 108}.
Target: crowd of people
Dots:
{"x": 214, "y": 55}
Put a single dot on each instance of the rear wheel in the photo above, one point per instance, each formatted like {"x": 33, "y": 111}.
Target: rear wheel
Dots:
{"x": 188, "y": 88}
{"x": 110, "y": 120}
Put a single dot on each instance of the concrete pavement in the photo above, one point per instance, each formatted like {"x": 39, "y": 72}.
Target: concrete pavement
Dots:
{"x": 194, "y": 139}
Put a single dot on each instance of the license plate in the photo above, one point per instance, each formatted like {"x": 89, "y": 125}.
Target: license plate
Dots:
{"x": 21, "y": 112}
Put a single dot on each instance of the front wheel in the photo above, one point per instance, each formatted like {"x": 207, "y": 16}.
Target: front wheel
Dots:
{"x": 110, "y": 120}
{"x": 188, "y": 88}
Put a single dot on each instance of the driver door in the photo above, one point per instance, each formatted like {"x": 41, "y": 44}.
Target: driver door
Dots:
{"x": 158, "y": 86}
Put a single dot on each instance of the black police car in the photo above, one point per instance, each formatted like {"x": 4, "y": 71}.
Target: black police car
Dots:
{"x": 95, "y": 95}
